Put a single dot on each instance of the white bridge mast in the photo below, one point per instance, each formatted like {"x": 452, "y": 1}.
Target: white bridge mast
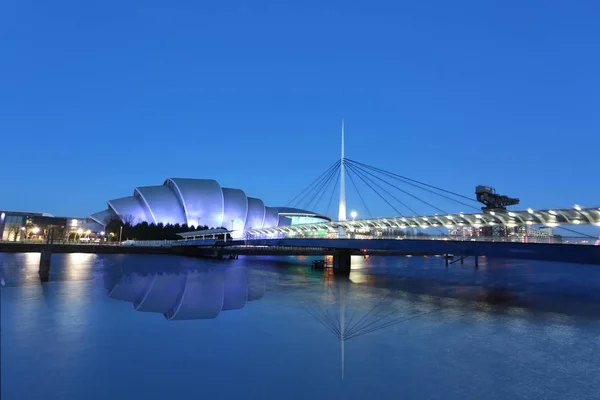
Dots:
{"x": 342, "y": 206}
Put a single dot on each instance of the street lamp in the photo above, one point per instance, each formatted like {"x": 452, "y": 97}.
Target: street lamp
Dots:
{"x": 353, "y": 214}
{"x": 120, "y": 233}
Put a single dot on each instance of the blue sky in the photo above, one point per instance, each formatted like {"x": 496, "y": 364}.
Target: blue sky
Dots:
{"x": 99, "y": 97}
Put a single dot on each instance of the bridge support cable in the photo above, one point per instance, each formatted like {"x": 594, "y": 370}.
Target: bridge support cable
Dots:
{"x": 315, "y": 188}
{"x": 364, "y": 178}
{"x": 364, "y": 172}
{"x": 376, "y": 192}
{"x": 359, "y": 195}
{"x": 417, "y": 184}
{"x": 585, "y": 235}
{"x": 335, "y": 185}
{"x": 321, "y": 189}
{"x": 303, "y": 194}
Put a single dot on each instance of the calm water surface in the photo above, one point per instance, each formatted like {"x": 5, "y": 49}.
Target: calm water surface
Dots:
{"x": 160, "y": 327}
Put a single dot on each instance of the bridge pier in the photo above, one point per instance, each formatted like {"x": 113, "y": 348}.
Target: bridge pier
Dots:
{"x": 46, "y": 257}
{"x": 342, "y": 261}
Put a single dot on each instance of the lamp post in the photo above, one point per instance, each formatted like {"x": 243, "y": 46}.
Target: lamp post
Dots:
{"x": 120, "y": 234}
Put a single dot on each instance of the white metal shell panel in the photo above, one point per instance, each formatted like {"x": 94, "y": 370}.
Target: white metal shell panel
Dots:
{"x": 271, "y": 217}
{"x": 103, "y": 217}
{"x": 256, "y": 213}
{"x": 202, "y": 200}
{"x": 163, "y": 204}
{"x": 235, "y": 209}
{"x": 130, "y": 209}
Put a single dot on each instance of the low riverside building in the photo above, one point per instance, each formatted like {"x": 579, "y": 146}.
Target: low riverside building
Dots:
{"x": 25, "y": 225}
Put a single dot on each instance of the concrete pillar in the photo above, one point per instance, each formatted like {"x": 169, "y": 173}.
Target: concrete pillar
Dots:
{"x": 45, "y": 258}
{"x": 342, "y": 261}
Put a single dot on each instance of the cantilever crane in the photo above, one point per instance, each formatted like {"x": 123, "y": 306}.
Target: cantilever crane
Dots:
{"x": 493, "y": 201}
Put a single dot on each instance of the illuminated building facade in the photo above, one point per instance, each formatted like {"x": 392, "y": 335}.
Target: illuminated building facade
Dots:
{"x": 22, "y": 225}
{"x": 200, "y": 202}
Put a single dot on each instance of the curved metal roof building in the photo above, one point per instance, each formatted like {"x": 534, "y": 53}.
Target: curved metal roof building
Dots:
{"x": 198, "y": 202}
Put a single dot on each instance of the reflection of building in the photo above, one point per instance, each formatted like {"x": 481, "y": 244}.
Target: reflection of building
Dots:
{"x": 20, "y": 225}
{"x": 200, "y": 202}
{"x": 188, "y": 294}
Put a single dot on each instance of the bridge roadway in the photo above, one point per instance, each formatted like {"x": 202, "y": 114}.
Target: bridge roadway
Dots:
{"x": 571, "y": 253}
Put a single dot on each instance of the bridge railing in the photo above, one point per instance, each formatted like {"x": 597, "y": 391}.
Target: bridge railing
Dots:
{"x": 507, "y": 239}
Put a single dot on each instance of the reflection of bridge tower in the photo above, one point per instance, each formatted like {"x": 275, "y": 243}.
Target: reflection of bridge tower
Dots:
{"x": 339, "y": 312}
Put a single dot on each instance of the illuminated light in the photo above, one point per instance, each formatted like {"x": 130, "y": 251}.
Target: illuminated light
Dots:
{"x": 512, "y": 214}
{"x": 529, "y": 222}
{"x": 353, "y": 214}
{"x": 530, "y": 210}
{"x": 576, "y": 221}
{"x": 477, "y": 225}
{"x": 551, "y": 212}
{"x": 35, "y": 230}
{"x": 79, "y": 231}
{"x": 424, "y": 218}
{"x": 88, "y": 232}
{"x": 478, "y": 216}
{"x": 511, "y": 225}
{"x": 449, "y": 217}
{"x": 577, "y": 207}
{"x": 491, "y": 223}
{"x": 462, "y": 215}
{"x": 492, "y": 213}
{"x": 22, "y": 228}
{"x": 2, "y": 216}
{"x": 552, "y": 224}
{"x": 449, "y": 225}
{"x": 74, "y": 222}
{"x": 102, "y": 233}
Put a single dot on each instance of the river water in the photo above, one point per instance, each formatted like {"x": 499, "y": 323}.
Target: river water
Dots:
{"x": 161, "y": 327}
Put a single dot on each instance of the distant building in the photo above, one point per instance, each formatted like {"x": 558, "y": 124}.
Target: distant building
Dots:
{"x": 24, "y": 225}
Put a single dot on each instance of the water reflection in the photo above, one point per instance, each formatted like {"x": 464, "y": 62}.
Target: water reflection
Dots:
{"x": 186, "y": 294}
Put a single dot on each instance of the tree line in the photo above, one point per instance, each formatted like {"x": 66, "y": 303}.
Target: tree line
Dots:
{"x": 146, "y": 231}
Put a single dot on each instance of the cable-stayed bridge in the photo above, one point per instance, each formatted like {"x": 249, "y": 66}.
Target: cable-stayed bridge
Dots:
{"x": 487, "y": 227}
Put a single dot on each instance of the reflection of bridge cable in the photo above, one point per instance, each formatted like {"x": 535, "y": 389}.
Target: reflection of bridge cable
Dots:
{"x": 300, "y": 196}
{"x": 320, "y": 190}
{"x": 409, "y": 181}
{"x": 373, "y": 320}
{"x": 359, "y": 195}
{"x": 402, "y": 190}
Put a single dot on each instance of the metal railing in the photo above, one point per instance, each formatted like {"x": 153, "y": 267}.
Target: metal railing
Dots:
{"x": 507, "y": 239}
